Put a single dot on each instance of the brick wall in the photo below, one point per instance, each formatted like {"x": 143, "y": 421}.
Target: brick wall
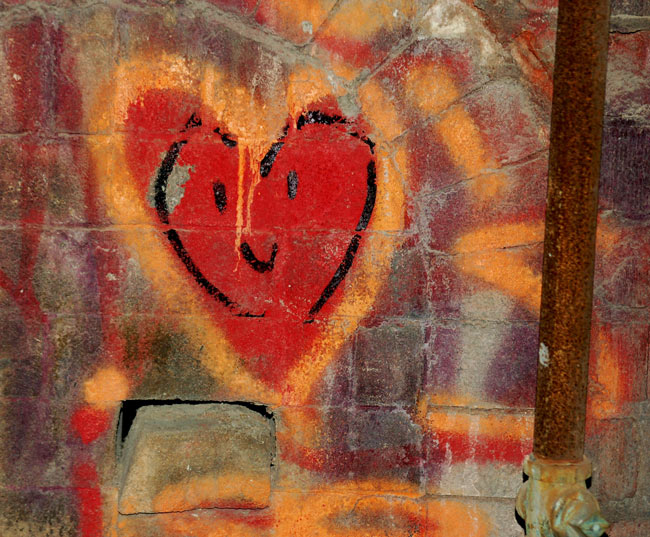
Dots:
{"x": 327, "y": 217}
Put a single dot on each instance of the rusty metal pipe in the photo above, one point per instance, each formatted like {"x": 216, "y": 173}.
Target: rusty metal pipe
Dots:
{"x": 570, "y": 236}
{"x": 555, "y": 502}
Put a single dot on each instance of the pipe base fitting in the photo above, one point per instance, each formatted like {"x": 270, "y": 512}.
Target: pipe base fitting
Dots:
{"x": 555, "y": 501}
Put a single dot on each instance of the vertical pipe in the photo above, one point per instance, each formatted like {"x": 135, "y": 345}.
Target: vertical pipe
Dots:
{"x": 569, "y": 241}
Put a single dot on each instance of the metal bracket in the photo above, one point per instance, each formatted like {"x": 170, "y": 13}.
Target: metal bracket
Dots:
{"x": 555, "y": 501}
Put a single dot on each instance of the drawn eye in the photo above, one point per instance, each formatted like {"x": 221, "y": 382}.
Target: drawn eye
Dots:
{"x": 292, "y": 184}
{"x": 220, "y": 200}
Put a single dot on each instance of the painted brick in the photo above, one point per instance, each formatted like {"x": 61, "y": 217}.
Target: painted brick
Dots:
{"x": 429, "y": 76}
{"x": 155, "y": 347}
{"x": 83, "y": 48}
{"x": 628, "y": 90}
{"x": 628, "y": 345}
{"x": 473, "y": 362}
{"x": 337, "y": 387}
{"x": 388, "y": 351}
{"x": 64, "y": 279}
{"x": 241, "y": 6}
{"x": 616, "y": 459}
{"x": 509, "y": 119}
{"x": 368, "y": 38}
{"x": 626, "y": 193}
{"x": 36, "y": 433}
{"x": 458, "y": 441}
{"x": 621, "y": 277}
{"x": 28, "y": 61}
{"x": 39, "y": 177}
{"x": 629, "y": 529}
{"x": 21, "y": 349}
{"x": 383, "y": 450}
{"x": 362, "y": 514}
{"x": 413, "y": 382}
{"x": 516, "y": 197}
{"x": 491, "y": 518}
{"x": 638, "y": 507}
{"x": 447, "y": 285}
{"x": 298, "y": 22}
{"x": 402, "y": 295}
{"x": 38, "y": 512}
{"x": 637, "y": 8}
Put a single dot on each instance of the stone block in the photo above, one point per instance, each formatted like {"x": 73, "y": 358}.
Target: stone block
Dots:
{"x": 363, "y": 34}
{"x": 298, "y": 21}
{"x": 615, "y": 451}
{"x": 21, "y": 348}
{"x": 389, "y": 364}
{"x": 183, "y": 457}
{"x": 510, "y": 123}
{"x": 475, "y": 453}
{"x": 448, "y": 517}
{"x": 27, "y": 75}
{"x": 38, "y": 513}
{"x": 629, "y": 528}
{"x": 628, "y": 85}
{"x": 635, "y": 8}
{"x": 37, "y": 435}
{"x": 625, "y": 172}
{"x": 84, "y": 51}
{"x": 404, "y": 294}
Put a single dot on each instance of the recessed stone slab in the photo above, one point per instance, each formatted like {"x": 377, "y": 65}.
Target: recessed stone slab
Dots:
{"x": 180, "y": 457}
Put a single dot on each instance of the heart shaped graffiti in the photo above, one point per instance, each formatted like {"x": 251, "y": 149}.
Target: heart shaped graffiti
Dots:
{"x": 274, "y": 235}
{"x": 315, "y": 189}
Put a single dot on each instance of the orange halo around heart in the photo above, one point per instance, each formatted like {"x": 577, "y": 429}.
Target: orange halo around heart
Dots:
{"x": 239, "y": 111}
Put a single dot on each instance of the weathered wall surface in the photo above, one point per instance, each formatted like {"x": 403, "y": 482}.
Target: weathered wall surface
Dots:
{"x": 329, "y": 215}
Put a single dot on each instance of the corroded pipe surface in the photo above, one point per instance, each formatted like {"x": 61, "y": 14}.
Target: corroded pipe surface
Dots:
{"x": 572, "y": 200}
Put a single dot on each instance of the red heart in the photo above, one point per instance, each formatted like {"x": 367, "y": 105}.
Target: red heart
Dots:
{"x": 271, "y": 263}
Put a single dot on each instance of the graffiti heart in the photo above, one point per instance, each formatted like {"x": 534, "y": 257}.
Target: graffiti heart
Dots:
{"x": 276, "y": 238}
{"x": 256, "y": 254}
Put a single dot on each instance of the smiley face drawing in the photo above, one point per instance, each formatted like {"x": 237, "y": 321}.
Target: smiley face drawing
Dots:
{"x": 278, "y": 237}
{"x": 314, "y": 173}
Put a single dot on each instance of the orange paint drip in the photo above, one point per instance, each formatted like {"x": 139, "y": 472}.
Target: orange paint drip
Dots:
{"x": 241, "y": 171}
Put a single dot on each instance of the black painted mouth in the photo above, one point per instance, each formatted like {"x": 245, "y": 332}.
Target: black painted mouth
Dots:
{"x": 162, "y": 209}
{"x": 256, "y": 264}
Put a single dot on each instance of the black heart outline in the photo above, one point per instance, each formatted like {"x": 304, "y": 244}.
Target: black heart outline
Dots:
{"x": 311, "y": 117}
